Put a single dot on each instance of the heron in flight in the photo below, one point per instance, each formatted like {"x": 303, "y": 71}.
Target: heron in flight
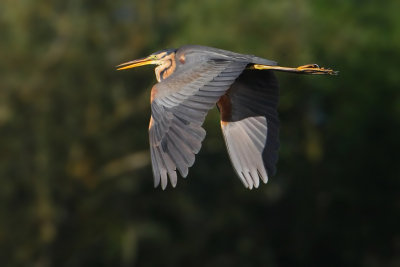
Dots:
{"x": 193, "y": 79}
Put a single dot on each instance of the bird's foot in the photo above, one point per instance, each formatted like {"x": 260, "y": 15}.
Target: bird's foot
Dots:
{"x": 315, "y": 69}
{"x": 305, "y": 69}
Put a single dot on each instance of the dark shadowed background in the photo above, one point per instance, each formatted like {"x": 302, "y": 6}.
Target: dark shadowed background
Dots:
{"x": 76, "y": 186}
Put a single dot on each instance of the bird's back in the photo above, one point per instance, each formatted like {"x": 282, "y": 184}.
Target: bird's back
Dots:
{"x": 205, "y": 53}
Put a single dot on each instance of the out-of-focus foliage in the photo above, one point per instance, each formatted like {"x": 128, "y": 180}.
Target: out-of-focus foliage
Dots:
{"x": 75, "y": 180}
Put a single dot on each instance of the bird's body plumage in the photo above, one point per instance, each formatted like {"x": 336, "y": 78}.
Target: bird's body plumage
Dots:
{"x": 191, "y": 81}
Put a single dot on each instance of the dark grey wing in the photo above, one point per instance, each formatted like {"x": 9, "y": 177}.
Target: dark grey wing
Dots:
{"x": 179, "y": 106}
{"x": 225, "y": 54}
{"x": 250, "y": 124}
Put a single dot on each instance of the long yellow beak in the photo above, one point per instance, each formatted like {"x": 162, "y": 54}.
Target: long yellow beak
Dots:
{"x": 136, "y": 63}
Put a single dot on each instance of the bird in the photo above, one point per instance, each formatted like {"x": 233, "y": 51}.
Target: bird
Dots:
{"x": 191, "y": 80}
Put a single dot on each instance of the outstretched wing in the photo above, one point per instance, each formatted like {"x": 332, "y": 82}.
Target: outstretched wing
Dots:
{"x": 249, "y": 122}
{"x": 179, "y": 106}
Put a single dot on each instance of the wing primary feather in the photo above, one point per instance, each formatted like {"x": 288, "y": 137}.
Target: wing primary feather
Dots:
{"x": 263, "y": 174}
{"x": 241, "y": 156}
{"x": 233, "y": 155}
{"x": 177, "y": 157}
{"x": 250, "y": 152}
{"x": 155, "y": 164}
{"x": 162, "y": 168}
{"x": 190, "y": 140}
{"x": 197, "y": 131}
{"x": 256, "y": 179}
{"x": 247, "y": 154}
{"x": 170, "y": 165}
{"x": 184, "y": 149}
{"x": 255, "y": 134}
{"x": 249, "y": 179}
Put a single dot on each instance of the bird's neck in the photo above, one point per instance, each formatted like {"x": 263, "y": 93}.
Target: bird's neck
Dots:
{"x": 166, "y": 68}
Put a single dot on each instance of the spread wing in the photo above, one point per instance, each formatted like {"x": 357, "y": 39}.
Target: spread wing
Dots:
{"x": 179, "y": 106}
{"x": 249, "y": 122}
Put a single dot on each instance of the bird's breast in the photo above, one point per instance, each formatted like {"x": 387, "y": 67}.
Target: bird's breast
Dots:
{"x": 153, "y": 93}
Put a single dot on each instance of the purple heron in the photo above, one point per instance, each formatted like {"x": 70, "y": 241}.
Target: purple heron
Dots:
{"x": 191, "y": 80}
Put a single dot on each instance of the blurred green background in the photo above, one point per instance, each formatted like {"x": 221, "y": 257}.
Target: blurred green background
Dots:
{"x": 76, "y": 186}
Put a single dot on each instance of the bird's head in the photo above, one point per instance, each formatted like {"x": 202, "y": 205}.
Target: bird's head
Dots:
{"x": 165, "y": 59}
{"x": 157, "y": 58}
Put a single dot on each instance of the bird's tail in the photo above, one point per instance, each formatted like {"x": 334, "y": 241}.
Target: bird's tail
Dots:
{"x": 305, "y": 69}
